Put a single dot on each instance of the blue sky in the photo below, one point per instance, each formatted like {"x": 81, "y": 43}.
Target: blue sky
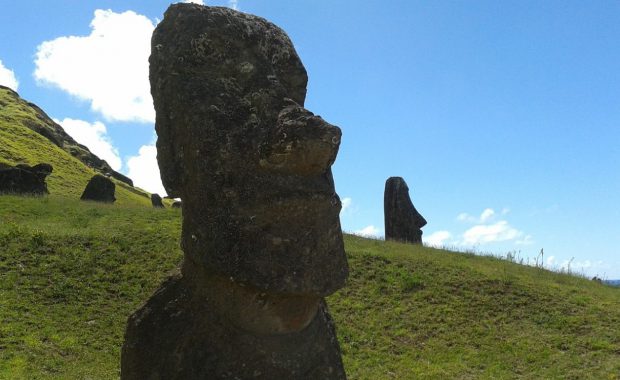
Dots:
{"x": 503, "y": 117}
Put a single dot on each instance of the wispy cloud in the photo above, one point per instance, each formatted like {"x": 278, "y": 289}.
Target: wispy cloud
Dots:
{"x": 7, "y": 78}
{"x": 437, "y": 239}
{"x": 234, "y": 4}
{"x": 525, "y": 240}
{"x": 346, "y": 204}
{"x": 486, "y": 215}
{"x": 488, "y": 229}
{"x": 586, "y": 266}
{"x": 465, "y": 217}
{"x": 369, "y": 231}
{"x": 489, "y": 233}
{"x": 199, "y": 2}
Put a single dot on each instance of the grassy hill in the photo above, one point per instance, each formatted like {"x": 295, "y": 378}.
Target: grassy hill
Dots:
{"x": 19, "y": 143}
{"x": 71, "y": 272}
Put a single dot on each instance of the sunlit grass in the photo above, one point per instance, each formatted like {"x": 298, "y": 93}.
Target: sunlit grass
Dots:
{"x": 19, "y": 144}
{"x": 71, "y": 272}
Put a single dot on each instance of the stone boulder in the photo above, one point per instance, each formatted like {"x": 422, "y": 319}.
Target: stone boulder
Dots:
{"x": 261, "y": 231}
{"x": 402, "y": 221}
{"x": 99, "y": 189}
{"x": 25, "y": 179}
{"x": 156, "y": 201}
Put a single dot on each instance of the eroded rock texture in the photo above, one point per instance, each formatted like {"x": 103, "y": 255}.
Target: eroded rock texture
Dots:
{"x": 99, "y": 189}
{"x": 402, "y": 221}
{"x": 25, "y": 179}
{"x": 261, "y": 231}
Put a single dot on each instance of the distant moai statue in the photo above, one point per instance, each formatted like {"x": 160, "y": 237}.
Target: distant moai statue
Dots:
{"x": 261, "y": 232}
{"x": 402, "y": 221}
{"x": 156, "y": 201}
{"x": 100, "y": 189}
{"x": 24, "y": 179}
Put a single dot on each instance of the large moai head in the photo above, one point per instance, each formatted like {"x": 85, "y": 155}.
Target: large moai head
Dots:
{"x": 252, "y": 166}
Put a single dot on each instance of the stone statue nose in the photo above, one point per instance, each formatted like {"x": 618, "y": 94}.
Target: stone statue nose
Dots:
{"x": 302, "y": 144}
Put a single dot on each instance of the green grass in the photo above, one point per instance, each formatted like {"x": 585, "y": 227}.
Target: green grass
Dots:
{"x": 19, "y": 144}
{"x": 71, "y": 272}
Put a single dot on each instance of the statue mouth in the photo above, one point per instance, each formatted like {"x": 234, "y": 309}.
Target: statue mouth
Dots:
{"x": 303, "y": 206}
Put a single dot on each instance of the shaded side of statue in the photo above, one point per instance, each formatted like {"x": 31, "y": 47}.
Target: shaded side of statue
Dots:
{"x": 261, "y": 233}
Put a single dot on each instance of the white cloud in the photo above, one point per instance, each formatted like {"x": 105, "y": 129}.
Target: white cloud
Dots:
{"x": 199, "y": 2}
{"x": 465, "y": 217}
{"x": 487, "y": 230}
{"x": 234, "y": 4}
{"x": 144, "y": 171}
{"x": 582, "y": 266}
{"x": 571, "y": 266}
{"x": 346, "y": 204}
{"x": 487, "y": 214}
{"x": 499, "y": 231}
{"x": 7, "y": 78}
{"x": 94, "y": 136}
{"x": 108, "y": 68}
{"x": 437, "y": 239}
{"x": 526, "y": 240}
{"x": 368, "y": 231}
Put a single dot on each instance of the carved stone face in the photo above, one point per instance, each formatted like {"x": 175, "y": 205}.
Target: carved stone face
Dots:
{"x": 252, "y": 166}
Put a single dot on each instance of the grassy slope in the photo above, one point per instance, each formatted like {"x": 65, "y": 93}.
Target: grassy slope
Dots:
{"x": 71, "y": 272}
{"x": 19, "y": 144}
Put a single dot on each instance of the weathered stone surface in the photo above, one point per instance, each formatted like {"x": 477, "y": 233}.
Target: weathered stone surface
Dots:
{"x": 228, "y": 89}
{"x": 402, "y": 220}
{"x": 182, "y": 333}
{"x": 42, "y": 169}
{"x": 156, "y": 201}
{"x": 100, "y": 189}
{"x": 261, "y": 230}
{"x": 25, "y": 179}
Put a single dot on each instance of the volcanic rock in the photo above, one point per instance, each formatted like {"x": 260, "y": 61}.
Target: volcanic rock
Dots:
{"x": 100, "y": 189}
{"x": 156, "y": 201}
{"x": 25, "y": 179}
{"x": 402, "y": 221}
{"x": 261, "y": 230}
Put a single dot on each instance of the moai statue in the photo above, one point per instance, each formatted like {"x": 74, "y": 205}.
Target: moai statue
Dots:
{"x": 261, "y": 232}
{"x": 24, "y": 179}
{"x": 402, "y": 221}
{"x": 156, "y": 201}
{"x": 100, "y": 189}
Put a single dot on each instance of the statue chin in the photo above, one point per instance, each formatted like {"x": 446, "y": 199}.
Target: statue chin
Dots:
{"x": 251, "y": 309}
